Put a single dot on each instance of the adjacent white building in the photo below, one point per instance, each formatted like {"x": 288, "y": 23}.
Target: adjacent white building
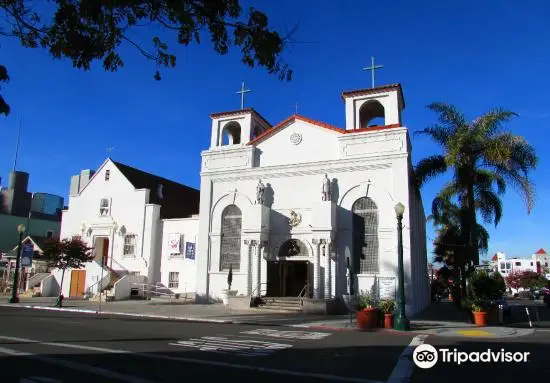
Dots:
{"x": 288, "y": 206}
{"x": 121, "y": 212}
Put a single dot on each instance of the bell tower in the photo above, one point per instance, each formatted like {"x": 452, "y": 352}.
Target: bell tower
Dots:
{"x": 236, "y": 128}
{"x": 374, "y": 107}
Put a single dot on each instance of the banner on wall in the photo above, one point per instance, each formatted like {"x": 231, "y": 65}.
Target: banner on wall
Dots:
{"x": 27, "y": 254}
{"x": 174, "y": 243}
{"x": 190, "y": 250}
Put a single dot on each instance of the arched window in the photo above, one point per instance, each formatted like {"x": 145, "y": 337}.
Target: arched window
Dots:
{"x": 365, "y": 235}
{"x": 231, "y": 134}
{"x": 231, "y": 238}
{"x": 371, "y": 113}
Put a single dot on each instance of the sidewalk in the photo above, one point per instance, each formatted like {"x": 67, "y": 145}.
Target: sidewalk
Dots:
{"x": 443, "y": 319}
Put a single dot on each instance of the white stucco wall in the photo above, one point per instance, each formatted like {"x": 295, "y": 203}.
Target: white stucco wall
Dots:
{"x": 129, "y": 214}
{"x": 373, "y": 164}
{"x": 187, "y": 229}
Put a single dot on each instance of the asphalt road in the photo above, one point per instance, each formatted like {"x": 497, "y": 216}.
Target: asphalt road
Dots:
{"x": 71, "y": 347}
{"x": 41, "y": 346}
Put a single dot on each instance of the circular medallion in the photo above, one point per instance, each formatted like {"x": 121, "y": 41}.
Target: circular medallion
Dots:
{"x": 295, "y": 138}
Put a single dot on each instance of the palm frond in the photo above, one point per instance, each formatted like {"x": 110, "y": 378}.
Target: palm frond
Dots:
{"x": 489, "y": 123}
{"x": 428, "y": 168}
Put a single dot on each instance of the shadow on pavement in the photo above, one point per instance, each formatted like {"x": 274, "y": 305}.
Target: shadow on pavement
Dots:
{"x": 305, "y": 364}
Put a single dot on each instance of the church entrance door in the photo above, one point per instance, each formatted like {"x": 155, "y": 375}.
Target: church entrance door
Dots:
{"x": 286, "y": 278}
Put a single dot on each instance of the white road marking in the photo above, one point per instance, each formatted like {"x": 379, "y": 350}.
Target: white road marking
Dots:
{"x": 303, "y": 335}
{"x": 404, "y": 368}
{"x": 237, "y": 366}
{"x": 67, "y": 345}
{"x": 74, "y": 366}
{"x": 240, "y": 347}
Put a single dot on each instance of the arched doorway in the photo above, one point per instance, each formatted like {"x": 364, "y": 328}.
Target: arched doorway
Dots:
{"x": 287, "y": 276}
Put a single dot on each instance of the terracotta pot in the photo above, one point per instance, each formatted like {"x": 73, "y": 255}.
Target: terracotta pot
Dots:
{"x": 480, "y": 318}
{"x": 367, "y": 318}
{"x": 388, "y": 320}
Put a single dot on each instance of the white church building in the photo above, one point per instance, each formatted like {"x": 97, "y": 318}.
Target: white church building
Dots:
{"x": 286, "y": 207}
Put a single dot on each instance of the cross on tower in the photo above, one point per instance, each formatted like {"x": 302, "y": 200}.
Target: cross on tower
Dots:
{"x": 372, "y": 68}
{"x": 296, "y": 110}
{"x": 242, "y": 92}
{"x": 110, "y": 150}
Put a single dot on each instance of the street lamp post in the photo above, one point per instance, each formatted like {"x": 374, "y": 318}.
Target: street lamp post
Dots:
{"x": 401, "y": 321}
{"x": 15, "y": 287}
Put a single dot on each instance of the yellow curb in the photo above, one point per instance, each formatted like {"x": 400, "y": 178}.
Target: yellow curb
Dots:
{"x": 474, "y": 333}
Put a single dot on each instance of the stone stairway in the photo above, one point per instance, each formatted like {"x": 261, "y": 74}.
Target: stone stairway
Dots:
{"x": 281, "y": 303}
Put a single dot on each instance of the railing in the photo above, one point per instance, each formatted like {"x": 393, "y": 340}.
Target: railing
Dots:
{"x": 258, "y": 293}
{"x": 305, "y": 292}
{"x": 157, "y": 290}
{"x": 100, "y": 288}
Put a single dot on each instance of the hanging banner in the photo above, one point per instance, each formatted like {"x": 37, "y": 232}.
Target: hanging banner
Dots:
{"x": 27, "y": 254}
{"x": 174, "y": 243}
{"x": 190, "y": 250}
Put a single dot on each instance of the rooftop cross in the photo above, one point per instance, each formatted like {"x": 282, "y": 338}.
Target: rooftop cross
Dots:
{"x": 242, "y": 92}
{"x": 110, "y": 150}
{"x": 372, "y": 68}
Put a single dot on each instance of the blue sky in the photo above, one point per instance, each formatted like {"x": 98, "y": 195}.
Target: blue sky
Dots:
{"x": 476, "y": 55}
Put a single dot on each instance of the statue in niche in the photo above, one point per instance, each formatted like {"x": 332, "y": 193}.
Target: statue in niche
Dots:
{"x": 260, "y": 192}
{"x": 326, "y": 189}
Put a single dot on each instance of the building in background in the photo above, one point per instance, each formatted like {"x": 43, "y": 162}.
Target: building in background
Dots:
{"x": 538, "y": 262}
{"x": 39, "y": 212}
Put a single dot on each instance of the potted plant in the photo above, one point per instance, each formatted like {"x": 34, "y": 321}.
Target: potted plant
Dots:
{"x": 226, "y": 293}
{"x": 480, "y": 314}
{"x": 387, "y": 307}
{"x": 367, "y": 315}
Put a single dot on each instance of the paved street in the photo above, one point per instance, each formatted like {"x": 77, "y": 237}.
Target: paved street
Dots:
{"x": 67, "y": 347}
{"x": 70, "y": 346}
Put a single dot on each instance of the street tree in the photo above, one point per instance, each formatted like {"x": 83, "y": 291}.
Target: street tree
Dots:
{"x": 477, "y": 153}
{"x": 85, "y": 31}
{"x": 66, "y": 254}
{"x": 513, "y": 279}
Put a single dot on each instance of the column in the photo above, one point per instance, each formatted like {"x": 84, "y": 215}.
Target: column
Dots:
{"x": 327, "y": 261}
{"x": 263, "y": 267}
{"x": 246, "y": 266}
{"x": 316, "y": 269}
{"x": 258, "y": 257}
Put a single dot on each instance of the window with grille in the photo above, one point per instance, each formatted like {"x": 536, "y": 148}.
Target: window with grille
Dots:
{"x": 107, "y": 175}
{"x": 231, "y": 238}
{"x": 104, "y": 206}
{"x": 365, "y": 235}
{"x": 173, "y": 280}
{"x": 129, "y": 244}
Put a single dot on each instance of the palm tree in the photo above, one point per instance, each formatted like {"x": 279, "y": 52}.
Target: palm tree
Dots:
{"x": 479, "y": 154}
{"x": 449, "y": 245}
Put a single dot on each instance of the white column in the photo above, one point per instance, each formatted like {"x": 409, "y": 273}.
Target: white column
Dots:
{"x": 327, "y": 262}
{"x": 258, "y": 257}
{"x": 263, "y": 267}
{"x": 246, "y": 267}
{"x": 316, "y": 270}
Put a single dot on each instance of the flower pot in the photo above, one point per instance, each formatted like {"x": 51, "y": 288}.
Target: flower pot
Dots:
{"x": 480, "y": 318}
{"x": 367, "y": 318}
{"x": 388, "y": 320}
{"x": 225, "y": 297}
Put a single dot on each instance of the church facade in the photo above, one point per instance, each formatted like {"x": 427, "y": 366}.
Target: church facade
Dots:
{"x": 290, "y": 208}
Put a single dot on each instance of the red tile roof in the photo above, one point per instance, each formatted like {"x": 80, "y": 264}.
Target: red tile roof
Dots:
{"x": 240, "y": 111}
{"x": 495, "y": 258}
{"x": 540, "y": 251}
{"x": 321, "y": 124}
{"x": 378, "y": 89}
